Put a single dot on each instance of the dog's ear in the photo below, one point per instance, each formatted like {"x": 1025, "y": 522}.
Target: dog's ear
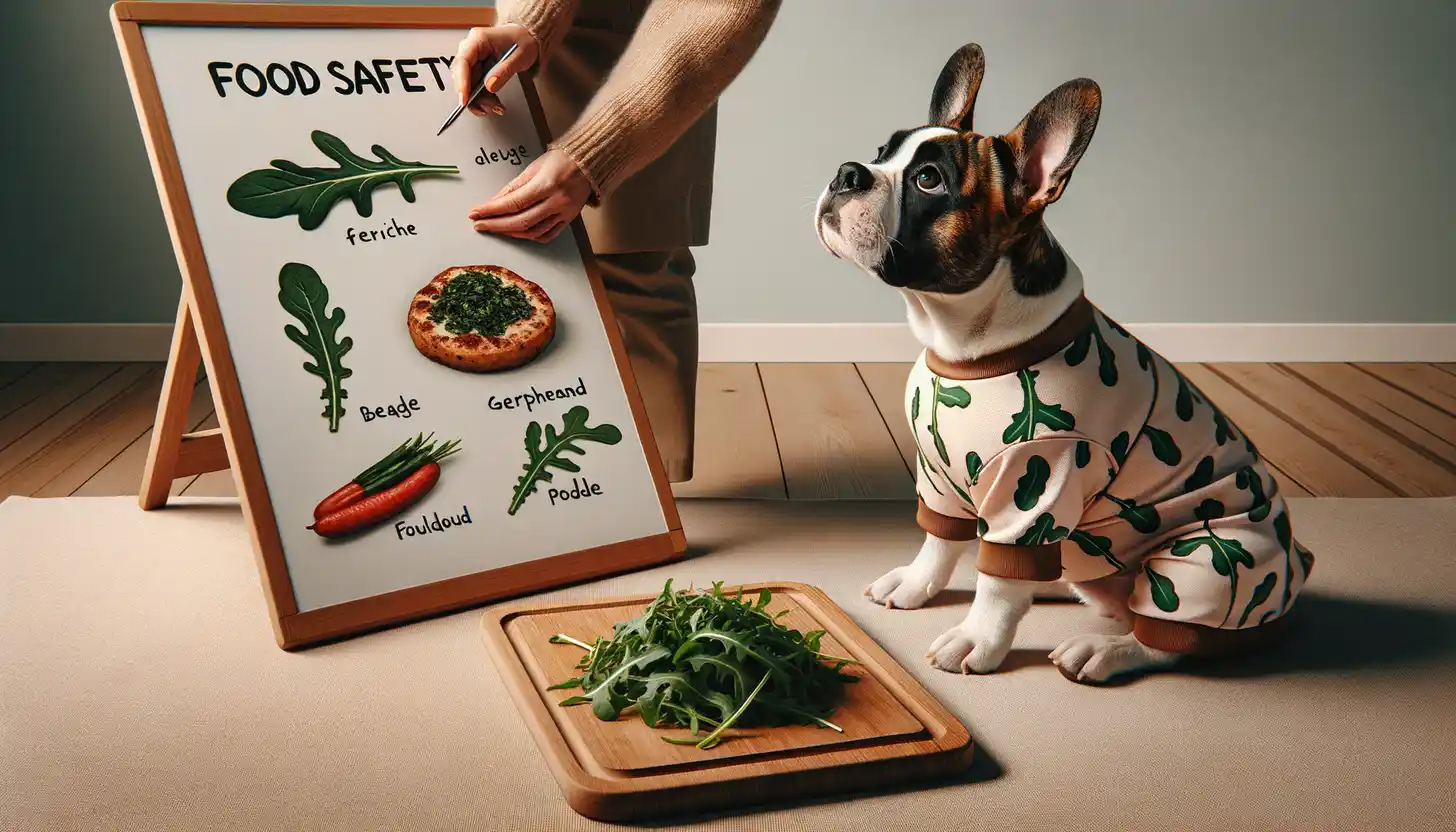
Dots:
{"x": 1049, "y": 142}
{"x": 954, "y": 97}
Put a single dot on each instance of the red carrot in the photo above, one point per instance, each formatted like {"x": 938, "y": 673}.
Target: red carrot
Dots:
{"x": 379, "y": 507}
{"x": 384, "y": 474}
{"x": 348, "y": 495}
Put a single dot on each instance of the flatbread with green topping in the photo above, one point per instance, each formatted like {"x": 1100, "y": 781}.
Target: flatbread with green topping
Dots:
{"x": 481, "y": 319}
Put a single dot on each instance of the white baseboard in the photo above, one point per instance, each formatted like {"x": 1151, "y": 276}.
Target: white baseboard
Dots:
{"x": 861, "y": 342}
{"x": 874, "y": 342}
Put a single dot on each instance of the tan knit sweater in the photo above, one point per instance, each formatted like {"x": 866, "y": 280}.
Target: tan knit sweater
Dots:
{"x": 681, "y": 58}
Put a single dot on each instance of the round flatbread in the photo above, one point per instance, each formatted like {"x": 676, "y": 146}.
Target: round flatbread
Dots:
{"x": 481, "y": 319}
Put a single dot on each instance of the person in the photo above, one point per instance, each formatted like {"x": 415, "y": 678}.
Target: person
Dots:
{"x": 635, "y": 84}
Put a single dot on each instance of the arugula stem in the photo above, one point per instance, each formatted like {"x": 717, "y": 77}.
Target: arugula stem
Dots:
{"x": 562, "y": 638}
{"x": 713, "y": 738}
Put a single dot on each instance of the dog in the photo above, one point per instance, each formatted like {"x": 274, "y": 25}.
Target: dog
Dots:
{"x": 1067, "y": 447}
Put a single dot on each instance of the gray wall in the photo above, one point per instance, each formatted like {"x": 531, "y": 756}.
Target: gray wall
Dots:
{"x": 1256, "y": 161}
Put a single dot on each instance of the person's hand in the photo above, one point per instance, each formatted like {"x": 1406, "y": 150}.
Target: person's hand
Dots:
{"x": 484, "y": 45}
{"x": 536, "y": 205}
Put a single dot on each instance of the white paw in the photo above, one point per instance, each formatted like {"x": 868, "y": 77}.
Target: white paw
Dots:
{"x": 903, "y": 588}
{"x": 1097, "y": 657}
{"x": 971, "y": 648}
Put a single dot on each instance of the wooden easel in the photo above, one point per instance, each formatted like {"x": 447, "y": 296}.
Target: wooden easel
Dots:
{"x": 174, "y": 454}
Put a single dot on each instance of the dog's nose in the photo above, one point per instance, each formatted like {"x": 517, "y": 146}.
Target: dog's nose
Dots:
{"x": 852, "y": 176}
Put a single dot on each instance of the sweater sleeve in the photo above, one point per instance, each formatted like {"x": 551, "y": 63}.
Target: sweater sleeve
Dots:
{"x": 682, "y": 56}
{"x": 546, "y": 20}
{"x": 1031, "y": 497}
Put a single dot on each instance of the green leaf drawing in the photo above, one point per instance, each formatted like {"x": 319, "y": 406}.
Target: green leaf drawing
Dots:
{"x": 915, "y": 405}
{"x": 549, "y": 451}
{"x": 1120, "y": 447}
{"x": 302, "y": 293}
{"x": 973, "y": 467}
{"x": 1034, "y": 412}
{"x": 1084, "y": 454}
{"x": 1222, "y": 430}
{"x": 1209, "y": 510}
{"x": 1164, "y": 448}
{"x": 1033, "y": 483}
{"x": 1306, "y": 559}
{"x": 1201, "y": 477}
{"x": 1145, "y": 358}
{"x": 1226, "y": 554}
{"x": 1187, "y": 395}
{"x": 982, "y": 526}
{"x": 925, "y": 467}
{"x": 1142, "y": 518}
{"x": 1164, "y": 595}
{"x": 1095, "y": 545}
{"x": 1261, "y": 594}
{"x": 1249, "y": 479}
{"x": 952, "y": 396}
{"x": 1285, "y": 534}
{"x": 287, "y": 188}
{"x": 1106, "y": 358}
{"x": 1044, "y": 530}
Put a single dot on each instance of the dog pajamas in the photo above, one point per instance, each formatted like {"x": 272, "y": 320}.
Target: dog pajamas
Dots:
{"x": 1085, "y": 455}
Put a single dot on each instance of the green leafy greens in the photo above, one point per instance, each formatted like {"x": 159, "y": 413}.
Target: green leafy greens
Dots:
{"x": 548, "y": 451}
{"x": 708, "y": 658}
{"x": 288, "y": 188}
{"x": 303, "y": 294}
{"x": 480, "y": 302}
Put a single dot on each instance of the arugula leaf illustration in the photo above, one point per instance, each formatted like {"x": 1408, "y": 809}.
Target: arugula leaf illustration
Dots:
{"x": 1249, "y": 479}
{"x": 1106, "y": 358}
{"x": 1226, "y": 553}
{"x": 1164, "y": 595}
{"x": 1285, "y": 534}
{"x": 1032, "y": 484}
{"x": 288, "y": 188}
{"x": 302, "y": 293}
{"x": 950, "y": 397}
{"x": 973, "y": 467}
{"x": 1201, "y": 477}
{"x": 1142, "y": 518}
{"x": 1043, "y": 530}
{"x": 1120, "y": 447}
{"x": 1187, "y": 395}
{"x": 1164, "y": 448}
{"x": 1084, "y": 454}
{"x": 919, "y": 450}
{"x": 1261, "y": 594}
{"x": 550, "y": 452}
{"x": 1095, "y": 545}
{"x": 982, "y": 526}
{"x": 1034, "y": 412}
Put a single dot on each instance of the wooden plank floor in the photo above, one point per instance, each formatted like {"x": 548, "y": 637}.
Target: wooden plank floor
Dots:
{"x": 800, "y": 431}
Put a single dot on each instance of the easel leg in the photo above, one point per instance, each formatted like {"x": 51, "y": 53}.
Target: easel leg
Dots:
{"x": 171, "y": 420}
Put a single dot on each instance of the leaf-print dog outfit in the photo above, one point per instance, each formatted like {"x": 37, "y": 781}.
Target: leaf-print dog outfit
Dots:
{"x": 1084, "y": 454}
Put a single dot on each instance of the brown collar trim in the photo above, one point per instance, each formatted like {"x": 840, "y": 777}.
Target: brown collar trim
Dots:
{"x": 1044, "y": 345}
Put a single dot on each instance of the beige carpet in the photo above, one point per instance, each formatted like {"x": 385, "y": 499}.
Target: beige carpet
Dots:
{"x": 140, "y": 689}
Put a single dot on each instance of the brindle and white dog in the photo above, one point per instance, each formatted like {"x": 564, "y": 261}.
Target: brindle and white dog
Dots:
{"x": 953, "y": 219}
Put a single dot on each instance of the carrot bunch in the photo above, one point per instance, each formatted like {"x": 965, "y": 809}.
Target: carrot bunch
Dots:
{"x": 386, "y": 488}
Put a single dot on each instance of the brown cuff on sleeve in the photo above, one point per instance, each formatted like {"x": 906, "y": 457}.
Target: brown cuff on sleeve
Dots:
{"x": 1020, "y": 563}
{"x": 1198, "y": 640}
{"x": 944, "y": 526}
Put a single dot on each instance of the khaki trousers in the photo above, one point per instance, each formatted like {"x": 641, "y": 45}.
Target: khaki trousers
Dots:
{"x": 652, "y": 296}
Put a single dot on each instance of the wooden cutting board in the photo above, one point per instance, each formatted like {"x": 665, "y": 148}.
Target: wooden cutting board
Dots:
{"x": 894, "y": 730}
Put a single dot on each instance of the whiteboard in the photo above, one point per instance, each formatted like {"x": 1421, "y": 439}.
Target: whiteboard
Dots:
{"x": 237, "y": 98}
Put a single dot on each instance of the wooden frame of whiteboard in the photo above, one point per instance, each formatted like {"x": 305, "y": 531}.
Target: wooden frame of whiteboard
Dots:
{"x": 199, "y": 336}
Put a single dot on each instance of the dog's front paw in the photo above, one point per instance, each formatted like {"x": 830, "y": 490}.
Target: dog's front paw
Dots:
{"x": 969, "y": 648}
{"x": 903, "y": 588}
{"x": 1096, "y": 657}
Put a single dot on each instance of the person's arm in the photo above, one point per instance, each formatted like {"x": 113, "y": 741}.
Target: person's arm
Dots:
{"x": 546, "y": 20}
{"x": 681, "y": 58}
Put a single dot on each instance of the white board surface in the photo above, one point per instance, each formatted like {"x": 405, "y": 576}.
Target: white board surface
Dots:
{"x": 220, "y": 137}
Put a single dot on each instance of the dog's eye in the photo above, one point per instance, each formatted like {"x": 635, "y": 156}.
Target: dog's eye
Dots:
{"x": 928, "y": 179}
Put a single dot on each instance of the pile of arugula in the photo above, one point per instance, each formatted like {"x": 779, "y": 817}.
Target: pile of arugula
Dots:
{"x": 706, "y": 658}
